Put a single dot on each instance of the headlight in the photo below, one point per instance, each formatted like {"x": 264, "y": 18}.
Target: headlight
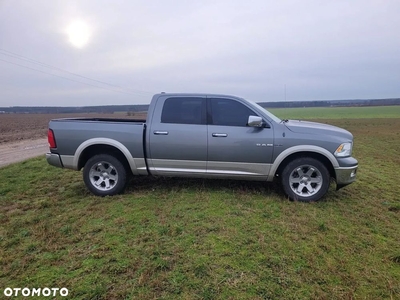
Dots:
{"x": 344, "y": 150}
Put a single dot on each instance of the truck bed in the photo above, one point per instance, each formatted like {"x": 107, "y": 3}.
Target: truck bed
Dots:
{"x": 72, "y": 134}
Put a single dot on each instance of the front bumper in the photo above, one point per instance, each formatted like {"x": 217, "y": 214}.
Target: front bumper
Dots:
{"x": 346, "y": 172}
{"x": 54, "y": 160}
{"x": 345, "y": 176}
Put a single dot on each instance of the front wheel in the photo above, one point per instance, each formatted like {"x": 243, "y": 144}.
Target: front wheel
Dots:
{"x": 305, "y": 179}
{"x": 104, "y": 175}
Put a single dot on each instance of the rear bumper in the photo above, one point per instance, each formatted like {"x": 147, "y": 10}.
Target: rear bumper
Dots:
{"x": 54, "y": 160}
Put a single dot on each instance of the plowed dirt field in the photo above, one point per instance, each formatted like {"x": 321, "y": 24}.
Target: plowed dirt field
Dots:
{"x": 24, "y": 136}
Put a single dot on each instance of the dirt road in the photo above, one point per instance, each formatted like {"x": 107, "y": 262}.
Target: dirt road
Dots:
{"x": 22, "y": 150}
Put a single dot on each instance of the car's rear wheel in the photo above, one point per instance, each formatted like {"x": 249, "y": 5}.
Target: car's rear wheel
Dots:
{"x": 104, "y": 175}
{"x": 305, "y": 179}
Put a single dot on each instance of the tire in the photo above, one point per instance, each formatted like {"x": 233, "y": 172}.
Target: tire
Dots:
{"x": 305, "y": 179}
{"x": 104, "y": 175}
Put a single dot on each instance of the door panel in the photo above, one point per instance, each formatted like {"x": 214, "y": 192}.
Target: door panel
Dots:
{"x": 178, "y": 137}
{"x": 233, "y": 147}
{"x": 244, "y": 149}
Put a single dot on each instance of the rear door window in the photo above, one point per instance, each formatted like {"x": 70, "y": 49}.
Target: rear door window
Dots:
{"x": 184, "y": 110}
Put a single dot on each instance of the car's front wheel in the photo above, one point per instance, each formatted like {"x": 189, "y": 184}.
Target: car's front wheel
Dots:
{"x": 305, "y": 179}
{"x": 104, "y": 175}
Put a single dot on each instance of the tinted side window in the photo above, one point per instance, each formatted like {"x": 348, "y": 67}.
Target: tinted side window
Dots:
{"x": 181, "y": 110}
{"x": 229, "y": 112}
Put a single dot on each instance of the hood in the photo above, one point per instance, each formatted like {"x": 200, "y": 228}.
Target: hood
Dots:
{"x": 299, "y": 126}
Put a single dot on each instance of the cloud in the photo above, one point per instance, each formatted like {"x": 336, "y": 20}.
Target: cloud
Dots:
{"x": 318, "y": 49}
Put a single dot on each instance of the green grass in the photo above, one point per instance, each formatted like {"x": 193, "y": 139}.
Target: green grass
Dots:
{"x": 337, "y": 112}
{"x": 207, "y": 239}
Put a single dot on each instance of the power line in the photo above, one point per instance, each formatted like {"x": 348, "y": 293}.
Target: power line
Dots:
{"x": 30, "y": 60}
{"x": 118, "y": 91}
{"x": 33, "y": 61}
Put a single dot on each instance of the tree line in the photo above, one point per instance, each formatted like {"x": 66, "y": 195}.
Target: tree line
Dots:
{"x": 132, "y": 109}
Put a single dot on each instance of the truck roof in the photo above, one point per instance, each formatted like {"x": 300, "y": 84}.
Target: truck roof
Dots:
{"x": 196, "y": 94}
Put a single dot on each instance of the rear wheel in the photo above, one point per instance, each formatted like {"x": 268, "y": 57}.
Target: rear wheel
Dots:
{"x": 305, "y": 179}
{"x": 104, "y": 175}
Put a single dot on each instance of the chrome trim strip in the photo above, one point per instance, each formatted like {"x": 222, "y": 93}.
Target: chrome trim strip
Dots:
{"x": 211, "y": 168}
{"x": 161, "y": 166}
{"x": 177, "y": 170}
{"x": 238, "y": 168}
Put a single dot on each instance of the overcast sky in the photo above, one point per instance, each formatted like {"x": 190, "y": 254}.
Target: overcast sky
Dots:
{"x": 319, "y": 50}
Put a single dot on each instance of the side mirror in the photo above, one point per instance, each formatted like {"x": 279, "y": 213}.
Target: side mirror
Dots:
{"x": 255, "y": 121}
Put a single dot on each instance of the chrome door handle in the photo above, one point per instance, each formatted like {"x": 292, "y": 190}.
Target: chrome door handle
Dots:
{"x": 219, "y": 135}
{"x": 157, "y": 132}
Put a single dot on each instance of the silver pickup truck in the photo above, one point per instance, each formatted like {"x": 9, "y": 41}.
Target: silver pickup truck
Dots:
{"x": 208, "y": 136}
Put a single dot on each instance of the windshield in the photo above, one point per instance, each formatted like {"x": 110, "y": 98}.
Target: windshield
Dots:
{"x": 270, "y": 115}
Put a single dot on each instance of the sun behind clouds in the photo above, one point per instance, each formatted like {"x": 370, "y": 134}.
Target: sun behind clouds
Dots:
{"x": 78, "y": 33}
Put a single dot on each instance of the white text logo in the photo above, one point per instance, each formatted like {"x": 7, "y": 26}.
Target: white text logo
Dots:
{"x": 26, "y": 292}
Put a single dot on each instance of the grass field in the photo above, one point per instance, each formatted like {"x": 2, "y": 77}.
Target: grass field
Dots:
{"x": 337, "y": 112}
{"x": 207, "y": 239}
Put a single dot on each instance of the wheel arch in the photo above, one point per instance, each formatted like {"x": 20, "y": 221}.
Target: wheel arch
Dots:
{"x": 315, "y": 152}
{"x": 96, "y": 146}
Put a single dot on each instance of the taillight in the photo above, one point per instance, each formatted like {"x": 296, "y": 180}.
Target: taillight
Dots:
{"x": 51, "y": 139}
